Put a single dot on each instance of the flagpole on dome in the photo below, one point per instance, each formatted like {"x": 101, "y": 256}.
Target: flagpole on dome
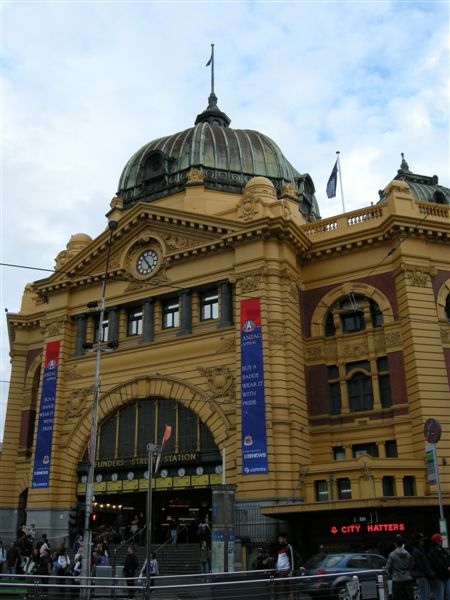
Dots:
{"x": 340, "y": 179}
{"x": 211, "y": 62}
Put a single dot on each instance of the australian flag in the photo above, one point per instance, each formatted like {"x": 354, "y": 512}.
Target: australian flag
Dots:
{"x": 332, "y": 182}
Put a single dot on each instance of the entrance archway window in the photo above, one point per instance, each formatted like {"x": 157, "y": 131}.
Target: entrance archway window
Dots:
{"x": 447, "y": 307}
{"x": 126, "y": 433}
{"x": 353, "y": 313}
{"x": 360, "y": 393}
{"x": 171, "y": 313}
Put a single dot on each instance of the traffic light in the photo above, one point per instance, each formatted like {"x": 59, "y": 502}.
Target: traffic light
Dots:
{"x": 92, "y": 520}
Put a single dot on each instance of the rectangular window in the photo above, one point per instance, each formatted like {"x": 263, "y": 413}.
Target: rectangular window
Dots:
{"x": 321, "y": 487}
{"x": 388, "y": 483}
{"x": 360, "y": 449}
{"x": 344, "y": 488}
{"x": 360, "y": 393}
{"x": 384, "y": 383}
{"x": 104, "y": 328}
{"x": 334, "y": 390}
{"x": 171, "y": 314}
{"x": 134, "y": 321}
{"x": 338, "y": 453}
{"x": 209, "y": 305}
{"x": 409, "y": 485}
{"x": 390, "y": 449}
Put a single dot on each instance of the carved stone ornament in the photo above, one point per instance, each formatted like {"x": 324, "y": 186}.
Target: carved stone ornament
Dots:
{"x": 314, "y": 353}
{"x": 276, "y": 336}
{"x": 220, "y": 383}
{"x": 228, "y": 345}
{"x": 52, "y": 328}
{"x": 195, "y": 177}
{"x": 247, "y": 207}
{"x": 445, "y": 335}
{"x": 116, "y": 203}
{"x": 293, "y": 284}
{"x": 176, "y": 242}
{"x": 356, "y": 349}
{"x": 76, "y": 401}
{"x": 251, "y": 282}
{"x": 417, "y": 276}
{"x": 393, "y": 338}
{"x": 288, "y": 190}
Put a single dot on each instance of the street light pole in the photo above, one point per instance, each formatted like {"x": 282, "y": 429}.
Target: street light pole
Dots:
{"x": 152, "y": 448}
{"x": 92, "y": 446}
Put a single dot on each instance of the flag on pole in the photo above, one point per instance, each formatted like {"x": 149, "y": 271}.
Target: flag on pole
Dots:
{"x": 166, "y": 437}
{"x": 209, "y": 61}
{"x": 332, "y": 182}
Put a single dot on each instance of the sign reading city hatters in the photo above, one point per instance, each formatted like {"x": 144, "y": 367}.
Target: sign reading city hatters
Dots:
{"x": 44, "y": 436}
{"x": 253, "y": 445}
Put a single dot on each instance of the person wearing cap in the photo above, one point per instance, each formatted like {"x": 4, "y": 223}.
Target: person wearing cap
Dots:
{"x": 439, "y": 559}
{"x": 421, "y": 569}
{"x": 398, "y": 569}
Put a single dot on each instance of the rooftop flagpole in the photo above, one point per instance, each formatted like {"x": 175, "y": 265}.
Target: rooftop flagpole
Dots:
{"x": 211, "y": 62}
{"x": 340, "y": 179}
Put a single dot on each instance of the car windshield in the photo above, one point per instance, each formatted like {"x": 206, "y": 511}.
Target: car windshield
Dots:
{"x": 323, "y": 561}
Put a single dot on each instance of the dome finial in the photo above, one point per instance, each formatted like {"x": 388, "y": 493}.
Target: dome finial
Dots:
{"x": 404, "y": 165}
{"x": 213, "y": 115}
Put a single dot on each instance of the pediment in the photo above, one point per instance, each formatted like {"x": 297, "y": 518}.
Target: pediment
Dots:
{"x": 162, "y": 232}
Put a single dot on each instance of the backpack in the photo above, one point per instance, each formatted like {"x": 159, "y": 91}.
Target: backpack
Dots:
{"x": 297, "y": 558}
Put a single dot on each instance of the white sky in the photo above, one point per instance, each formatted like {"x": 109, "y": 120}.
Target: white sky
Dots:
{"x": 86, "y": 83}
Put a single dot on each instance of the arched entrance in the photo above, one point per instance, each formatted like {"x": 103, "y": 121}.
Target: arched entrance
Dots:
{"x": 191, "y": 463}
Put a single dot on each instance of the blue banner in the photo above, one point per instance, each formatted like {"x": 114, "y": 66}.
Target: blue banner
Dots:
{"x": 253, "y": 443}
{"x": 44, "y": 436}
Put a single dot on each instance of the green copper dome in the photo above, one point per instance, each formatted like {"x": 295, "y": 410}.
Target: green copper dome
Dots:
{"x": 422, "y": 187}
{"x": 228, "y": 159}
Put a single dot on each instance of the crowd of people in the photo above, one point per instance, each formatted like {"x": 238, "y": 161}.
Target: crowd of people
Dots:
{"x": 430, "y": 571}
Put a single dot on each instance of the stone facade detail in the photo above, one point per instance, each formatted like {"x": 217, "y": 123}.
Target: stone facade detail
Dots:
{"x": 220, "y": 383}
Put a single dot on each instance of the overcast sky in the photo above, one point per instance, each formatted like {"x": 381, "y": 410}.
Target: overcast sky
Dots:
{"x": 86, "y": 83}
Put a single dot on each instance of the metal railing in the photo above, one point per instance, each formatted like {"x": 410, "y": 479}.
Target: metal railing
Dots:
{"x": 242, "y": 585}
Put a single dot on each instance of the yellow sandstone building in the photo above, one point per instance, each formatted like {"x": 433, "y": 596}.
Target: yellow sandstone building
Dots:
{"x": 296, "y": 359}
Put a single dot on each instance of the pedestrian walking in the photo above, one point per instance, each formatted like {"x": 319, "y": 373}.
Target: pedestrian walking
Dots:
{"x": 204, "y": 530}
{"x": 129, "y": 570}
{"x": 154, "y": 568}
{"x": 439, "y": 559}
{"x": 45, "y": 567}
{"x": 421, "y": 570}
{"x": 205, "y": 558}
{"x": 284, "y": 565}
{"x": 398, "y": 569}
{"x": 12, "y": 558}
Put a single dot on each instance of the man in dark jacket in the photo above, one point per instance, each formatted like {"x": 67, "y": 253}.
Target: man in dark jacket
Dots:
{"x": 421, "y": 570}
{"x": 12, "y": 558}
{"x": 398, "y": 566}
{"x": 439, "y": 559}
{"x": 129, "y": 570}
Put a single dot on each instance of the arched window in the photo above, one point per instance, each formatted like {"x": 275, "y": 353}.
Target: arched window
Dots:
{"x": 353, "y": 313}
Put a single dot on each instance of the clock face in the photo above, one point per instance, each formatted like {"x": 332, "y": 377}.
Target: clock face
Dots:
{"x": 146, "y": 262}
